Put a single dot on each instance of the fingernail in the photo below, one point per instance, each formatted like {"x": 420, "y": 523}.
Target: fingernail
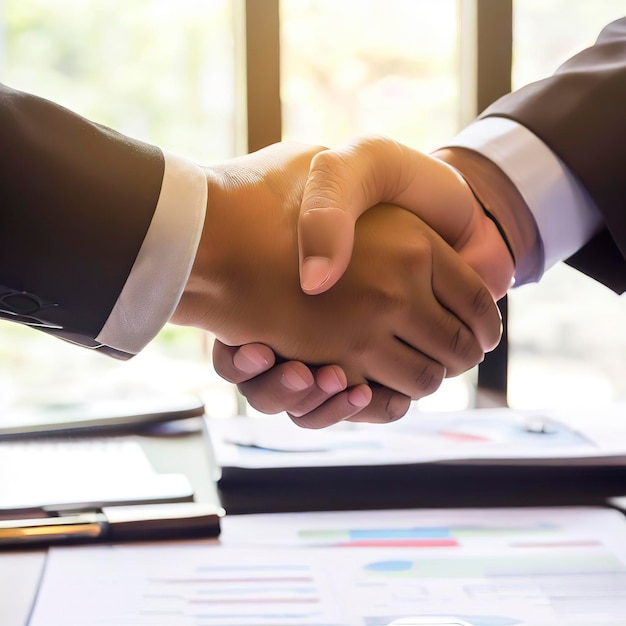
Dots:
{"x": 331, "y": 380}
{"x": 360, "y": 396}
{"x": 250, "y": 360}
{"x": 292, "y": 380}
{"x": 315, "y": 272}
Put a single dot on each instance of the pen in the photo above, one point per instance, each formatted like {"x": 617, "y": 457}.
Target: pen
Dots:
{"x": 71, "y": 526}
{"x": 113, "y": 523}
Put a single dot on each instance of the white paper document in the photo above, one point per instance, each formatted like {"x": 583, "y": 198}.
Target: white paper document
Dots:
{"x": 474, "y": 436}
{"x": 487, "y": 567}
{"x": 81, "y": 472}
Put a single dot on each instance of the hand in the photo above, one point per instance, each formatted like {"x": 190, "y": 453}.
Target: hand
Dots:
{"x": 272, "y": 178}
{"x": 345, "y": 182}
{"x": 312, "y": 398}
{"x": 248, "y": 248}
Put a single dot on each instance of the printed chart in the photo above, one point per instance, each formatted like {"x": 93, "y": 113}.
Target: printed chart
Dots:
{"x": 505, "y": 567}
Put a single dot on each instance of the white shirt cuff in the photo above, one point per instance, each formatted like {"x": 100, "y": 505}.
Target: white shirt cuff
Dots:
{"x": 162, "y": 267}
{"x": 567, "y": 218}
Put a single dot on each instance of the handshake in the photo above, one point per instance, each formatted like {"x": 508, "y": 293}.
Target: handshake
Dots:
{"x": 342, "y": 284}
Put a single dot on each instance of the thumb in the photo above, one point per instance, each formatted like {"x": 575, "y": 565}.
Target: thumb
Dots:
{"x": 325, "y": 241}
{"x": 342, "y": 184}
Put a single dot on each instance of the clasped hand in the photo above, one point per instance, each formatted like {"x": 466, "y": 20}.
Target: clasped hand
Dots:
{"x": 406, "y": 311}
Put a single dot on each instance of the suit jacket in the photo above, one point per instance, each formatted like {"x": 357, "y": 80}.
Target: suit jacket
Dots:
{"x": 76, "y": 202}
{"x": 580, "y": 113}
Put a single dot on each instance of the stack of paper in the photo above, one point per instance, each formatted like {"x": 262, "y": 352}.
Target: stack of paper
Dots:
{"x": 481, "y": 457}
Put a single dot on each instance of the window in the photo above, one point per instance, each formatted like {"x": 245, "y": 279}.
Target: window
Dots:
{"x": 157, "y": 70}
{"x": 567, "y": 342}
{"x": 166, "y": 72}
{"x": 377, "y": 66}
{"x": 387, "y": 67}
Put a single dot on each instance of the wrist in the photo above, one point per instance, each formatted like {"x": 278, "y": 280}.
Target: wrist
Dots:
{"x": 505, "y": 208}
{"x": 198, "y": 304}
{"x": 483, "y": 247}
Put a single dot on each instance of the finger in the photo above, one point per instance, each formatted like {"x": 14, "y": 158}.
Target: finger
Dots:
{"x": 386, "y": 406}
{"x": 342, "y": 184}
{"x": 330, "y": 380}
{"x": 406, "y": 370}
{"x": 291, "y": 387}
{"x": 281, "y": 388}
{"x": 325, "y": 242}
{"x": 460, "y": 290}
{"x": 447, "y": 340}
{"x": 237, "y": 364}
{"x": 336, "y": 409}
{"x": 429, "y": 326}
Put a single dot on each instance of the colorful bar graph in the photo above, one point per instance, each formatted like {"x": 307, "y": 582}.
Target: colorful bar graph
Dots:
{"x": 419, "y": 536}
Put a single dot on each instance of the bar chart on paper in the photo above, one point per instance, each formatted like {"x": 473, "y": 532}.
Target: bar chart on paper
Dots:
{"x": 506, "y": 567}
{"x": 427, "y": 536}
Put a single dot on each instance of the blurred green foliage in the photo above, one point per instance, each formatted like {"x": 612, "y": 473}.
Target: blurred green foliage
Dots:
{"x": 158, "y": 70}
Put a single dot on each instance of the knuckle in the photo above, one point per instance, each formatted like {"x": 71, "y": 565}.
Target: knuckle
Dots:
{"x": 396, "y": 407}
{"x": 465, "y": 346}
{"x": 459, "y": 341}
{"x": 376, "y": 144}
{"x": 388, "y": 297}
{"x": 327, "y": 165}
{"x": 386, "y": 406}
{"x": 326, "y": 181}
{"x": 482, "y": 302}
{"x": 428, "y": 378}
{"x": 417, "y": 253}
{"x": 388, "y": 301}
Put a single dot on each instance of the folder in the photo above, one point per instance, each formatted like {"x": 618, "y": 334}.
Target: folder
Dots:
{"x": 480, "y": 457}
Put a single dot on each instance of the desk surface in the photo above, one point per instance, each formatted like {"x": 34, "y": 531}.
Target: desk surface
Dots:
{"x": 20, "y": 571}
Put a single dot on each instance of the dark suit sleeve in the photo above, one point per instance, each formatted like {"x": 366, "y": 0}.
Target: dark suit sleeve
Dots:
{"x": 76, "y": 202}
{"x": 580, "y": 113}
